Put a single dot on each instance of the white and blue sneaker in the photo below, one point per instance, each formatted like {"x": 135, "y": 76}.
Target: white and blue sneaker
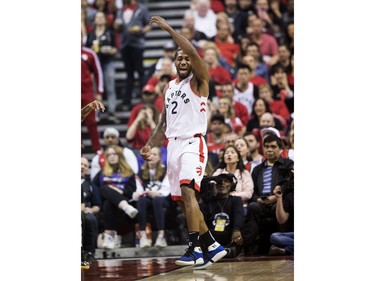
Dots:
{"x": 215, "y": 252}
{"x": 192, "y": 256}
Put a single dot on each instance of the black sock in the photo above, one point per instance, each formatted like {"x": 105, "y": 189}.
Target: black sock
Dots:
{"x": 207, "y": 239}
{"x": 193, "y": 239}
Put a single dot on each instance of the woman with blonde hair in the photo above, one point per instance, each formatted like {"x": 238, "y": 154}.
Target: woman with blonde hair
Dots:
{"x": 116, "y": 183}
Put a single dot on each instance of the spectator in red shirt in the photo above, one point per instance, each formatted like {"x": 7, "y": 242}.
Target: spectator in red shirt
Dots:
{"x": 281, "y": 88}
{"x": 267, "y": 43}
{"x": 142, "y": 127}
{"x": 219, "y": 75}
{"x": 254, "y": 78}
{"x": 225, "y": 43}
{"x": 277, "y": 107}
{"x": 149, "y": 96}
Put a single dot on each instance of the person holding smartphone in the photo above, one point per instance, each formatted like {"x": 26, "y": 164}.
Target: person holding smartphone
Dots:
{"x": 283, "y": 241}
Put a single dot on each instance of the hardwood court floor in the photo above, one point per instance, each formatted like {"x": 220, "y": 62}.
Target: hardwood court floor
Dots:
{"x": 151, "y": 269}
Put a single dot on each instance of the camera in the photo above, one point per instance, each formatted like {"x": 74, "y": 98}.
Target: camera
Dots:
{"x": 209, "y": 183}
{"x": 287, "y": 180}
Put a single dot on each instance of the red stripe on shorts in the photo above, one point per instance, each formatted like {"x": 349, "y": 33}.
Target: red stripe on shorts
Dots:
{"x": 201, "y": 154}
{"x": 176, "y": 198}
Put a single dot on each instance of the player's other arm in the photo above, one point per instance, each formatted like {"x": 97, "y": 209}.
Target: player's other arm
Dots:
{"x": 158, "y": 135}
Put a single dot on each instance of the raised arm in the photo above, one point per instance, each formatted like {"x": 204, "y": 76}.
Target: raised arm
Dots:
{"x": 200, "y": 71}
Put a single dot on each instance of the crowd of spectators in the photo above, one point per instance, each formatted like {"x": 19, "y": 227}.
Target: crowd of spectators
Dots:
{"x": 248, "y": 48}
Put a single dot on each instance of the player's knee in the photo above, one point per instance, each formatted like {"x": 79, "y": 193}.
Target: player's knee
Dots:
{"x": 188, "y": 191}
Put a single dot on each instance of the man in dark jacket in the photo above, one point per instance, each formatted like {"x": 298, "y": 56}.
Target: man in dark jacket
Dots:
{"x": 266, "y": 176}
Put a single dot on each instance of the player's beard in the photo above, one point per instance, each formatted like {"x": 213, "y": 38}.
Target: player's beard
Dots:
{"x": 183, "y": 75}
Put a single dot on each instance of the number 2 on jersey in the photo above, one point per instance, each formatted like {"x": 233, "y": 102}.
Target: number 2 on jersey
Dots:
{"x": 174, "y": 107}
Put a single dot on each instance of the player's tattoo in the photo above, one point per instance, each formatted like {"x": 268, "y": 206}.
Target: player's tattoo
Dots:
{"x": 158, "y": 135}
{"x": 85, "y": 111}
{"x": 162, "y": 123}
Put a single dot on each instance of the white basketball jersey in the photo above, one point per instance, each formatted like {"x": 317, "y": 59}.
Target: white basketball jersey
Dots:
{"x": 185, "y": 110}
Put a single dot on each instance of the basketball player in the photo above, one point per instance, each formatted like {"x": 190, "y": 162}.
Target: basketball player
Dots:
{"x": 184, "y": 123}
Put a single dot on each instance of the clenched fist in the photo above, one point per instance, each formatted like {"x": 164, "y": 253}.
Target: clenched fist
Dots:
{"x": 146, "y": 152}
